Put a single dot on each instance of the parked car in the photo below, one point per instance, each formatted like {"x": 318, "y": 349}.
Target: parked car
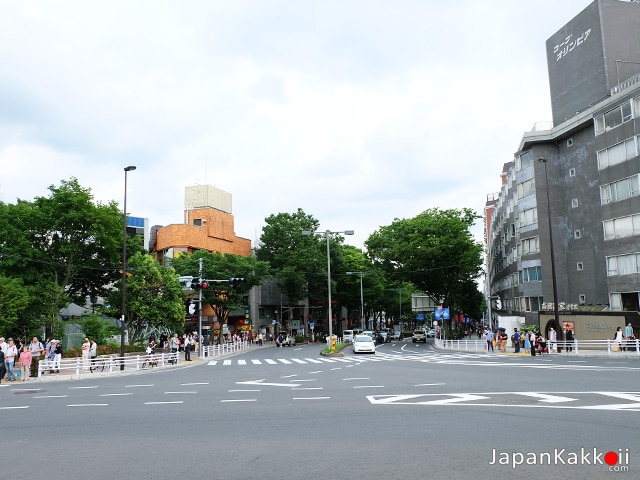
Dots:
{"x": 431, "y": 333}
{"x": 363, "y": 344}
{"x": 419, "y": 336}
{"x": 397, "y": 335}
{"x": 347, "y": 336}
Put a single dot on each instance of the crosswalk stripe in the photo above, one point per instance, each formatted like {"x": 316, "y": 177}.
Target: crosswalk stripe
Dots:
{"x": 242, "y": 362}
{"x": 285, "y": 361}
{"x": 256, "y": 362}
{"x": 297, "y": 360}
{"x": 271, "y": 362}
{"x": 312, "y": 360}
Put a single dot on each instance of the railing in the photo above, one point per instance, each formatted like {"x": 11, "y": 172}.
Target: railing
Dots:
{"x": 107, "y": 364}
{"x": 576, "y": 347}
{"x": 224, "y": 349}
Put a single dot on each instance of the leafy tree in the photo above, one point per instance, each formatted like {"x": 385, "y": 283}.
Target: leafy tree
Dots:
{"x": 218, "y": 268}
{"x": 295, "y": 260}
{"x": 434, "y": 251}
{"x": 64, "y": 247}
{"x": 154, "y": 297}
{"x": 96, "y": 328}
{"x": 14, "y": 300}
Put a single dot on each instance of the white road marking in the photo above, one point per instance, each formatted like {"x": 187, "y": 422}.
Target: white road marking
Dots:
{"x": 548, "y": 398}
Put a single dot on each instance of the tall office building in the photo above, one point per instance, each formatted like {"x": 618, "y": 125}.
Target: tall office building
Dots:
{"x": 564, "y": 233}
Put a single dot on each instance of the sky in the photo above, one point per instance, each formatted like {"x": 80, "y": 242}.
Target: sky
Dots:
{"x": 358, "y": 112}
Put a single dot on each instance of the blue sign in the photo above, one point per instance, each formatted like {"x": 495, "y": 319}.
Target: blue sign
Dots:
{"x": 420, "y": 316}
{"x": 445, "y": 313}
{"x": 441, "y": 314}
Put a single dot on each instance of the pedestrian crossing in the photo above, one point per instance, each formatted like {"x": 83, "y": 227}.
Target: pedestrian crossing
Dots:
{"x": 290, "y": 361}
{"x": 378, "y": 357}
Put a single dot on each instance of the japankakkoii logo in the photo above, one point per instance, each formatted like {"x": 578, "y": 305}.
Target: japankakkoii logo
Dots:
{"x": 614, "y": 460}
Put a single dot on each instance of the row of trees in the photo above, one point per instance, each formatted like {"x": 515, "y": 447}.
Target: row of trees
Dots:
{"x": 66, "y": 248}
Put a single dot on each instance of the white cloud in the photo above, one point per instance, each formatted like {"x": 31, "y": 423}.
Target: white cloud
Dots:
{"x": 358, "y": 112}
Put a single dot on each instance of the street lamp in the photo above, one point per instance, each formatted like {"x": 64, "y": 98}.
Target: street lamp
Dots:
{"x": 360, "y": 274}
{"x": 551, "y": 254}
{"x": 327, "y": 234}
{"x": 124, "y": 266}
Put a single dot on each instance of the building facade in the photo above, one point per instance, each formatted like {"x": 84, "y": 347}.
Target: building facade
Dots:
{"x": 564, "y": 232}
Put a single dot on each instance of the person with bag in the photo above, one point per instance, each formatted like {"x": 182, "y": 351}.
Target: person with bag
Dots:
{"x": 616, "y": 346}
{"x": 37, "y": 349}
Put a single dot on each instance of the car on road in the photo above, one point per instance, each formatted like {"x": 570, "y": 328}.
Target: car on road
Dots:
{"x": 384, "y": 337}
{"x": 371, "y": 334}
{"x": 396, "y": 335}
{"x": 288, "y": 340}
{"x": 363, "y": 344}
{"x": 431, "y": 333}
{"x": 419, "y": 336}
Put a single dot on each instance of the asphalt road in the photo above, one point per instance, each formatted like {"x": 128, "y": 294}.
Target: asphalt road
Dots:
{"x": 407, "y": 412}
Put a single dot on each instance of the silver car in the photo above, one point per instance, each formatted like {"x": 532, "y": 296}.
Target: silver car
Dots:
{"x": 363, "y": 344}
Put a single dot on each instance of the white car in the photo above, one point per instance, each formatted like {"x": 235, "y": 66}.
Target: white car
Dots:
{"x": 363, "y": 344}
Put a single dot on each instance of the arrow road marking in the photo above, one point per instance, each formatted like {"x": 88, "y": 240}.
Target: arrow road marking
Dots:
{"x": 262, "y": 382}
{"x": 548, "y": 398}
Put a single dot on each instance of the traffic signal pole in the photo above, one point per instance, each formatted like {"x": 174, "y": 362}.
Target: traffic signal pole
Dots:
{"x": 200, "y": 349}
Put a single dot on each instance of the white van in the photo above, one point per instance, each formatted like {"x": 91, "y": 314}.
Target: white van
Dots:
{"x": 348, "y": 335}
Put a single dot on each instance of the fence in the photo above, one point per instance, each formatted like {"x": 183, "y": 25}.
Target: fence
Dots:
{"x": 224, "y": 348}
{"x": 576, "y": 347}
{"x": 107, "y": 364}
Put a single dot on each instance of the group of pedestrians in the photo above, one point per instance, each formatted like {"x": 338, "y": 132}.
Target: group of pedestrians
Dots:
{"x": 22, "y": 361}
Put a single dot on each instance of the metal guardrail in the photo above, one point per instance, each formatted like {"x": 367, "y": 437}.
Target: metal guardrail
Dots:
{"x": 577, "y": 347}
{"x": 224, "y": 349}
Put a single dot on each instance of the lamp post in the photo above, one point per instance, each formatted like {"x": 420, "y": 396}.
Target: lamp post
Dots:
{"x": 124, "y": 267}
{"x": 360, "y": 274}
{"x": 551, "y": 254}
{"x": 327, "y": 234}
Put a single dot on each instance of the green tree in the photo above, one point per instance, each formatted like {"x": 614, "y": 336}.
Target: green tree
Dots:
{"x": 217, "y": 269}
{"x": 434, "y": 251}
{"x": 98, "y": 329}
{"x": 154, "y": 297}
{"x": 295, "y": 260}
{"x": 14, "y": 300}
{"x": 64, "y": 247}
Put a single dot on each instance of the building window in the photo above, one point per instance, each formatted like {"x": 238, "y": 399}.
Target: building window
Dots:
{"x": 526, "y": 188}
{"x": 576, "y": 234}
{"x": 613, "y": 118}
{"x": 528, "y": 217}
{"x": 579, "y": 266}
{"x": 197, "y": 222}
{"x": 582, "y": 299}
{"x": 524, "y": 160}
{"x": 572, "y": 172}
{"x": 622, "y": 227}
{"x": 570, "y": 142}
{"x": 621, "y": 152}
{"x": 574, "y": 203}
{"x": 530, "y": 245}
{"x": 620, "y": 190}
{"x": 531, "y": 274}
{"x": 623, "y": 264}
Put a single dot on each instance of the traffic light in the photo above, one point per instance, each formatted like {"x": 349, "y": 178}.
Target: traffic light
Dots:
{"x": 235, "y": 282}
{"x": 195, "y": 285}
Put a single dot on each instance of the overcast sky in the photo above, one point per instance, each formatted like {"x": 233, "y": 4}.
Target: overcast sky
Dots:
{"x": 358, "y": 112}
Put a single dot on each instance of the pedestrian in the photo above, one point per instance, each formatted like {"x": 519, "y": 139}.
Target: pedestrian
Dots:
{"x": 532, "y": 342}
{"x": 617, "y": 340}
{"x": 569, "y": 340}
{"x": 58, "y": 356}
{"x": 3, "y": 369}
{"x": 93, "y": 353}
{"x": 25, "y": 363}
{"x": 50, "y": 355}
{"x": 489, "y": 340}
{"x": 37, "y": 349}
{"x": 629, "y": 336}
{"x": 516, "y": 341}
{"x": 164, "y": 341}
{"x": 553, "y": 337}
{"x": 527, "y": 342}
{"x": 503, "y": 340}
{"x": 9, "y": 360}
{"x": 86, "y": 351}
{"x": 187, "y": 348}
